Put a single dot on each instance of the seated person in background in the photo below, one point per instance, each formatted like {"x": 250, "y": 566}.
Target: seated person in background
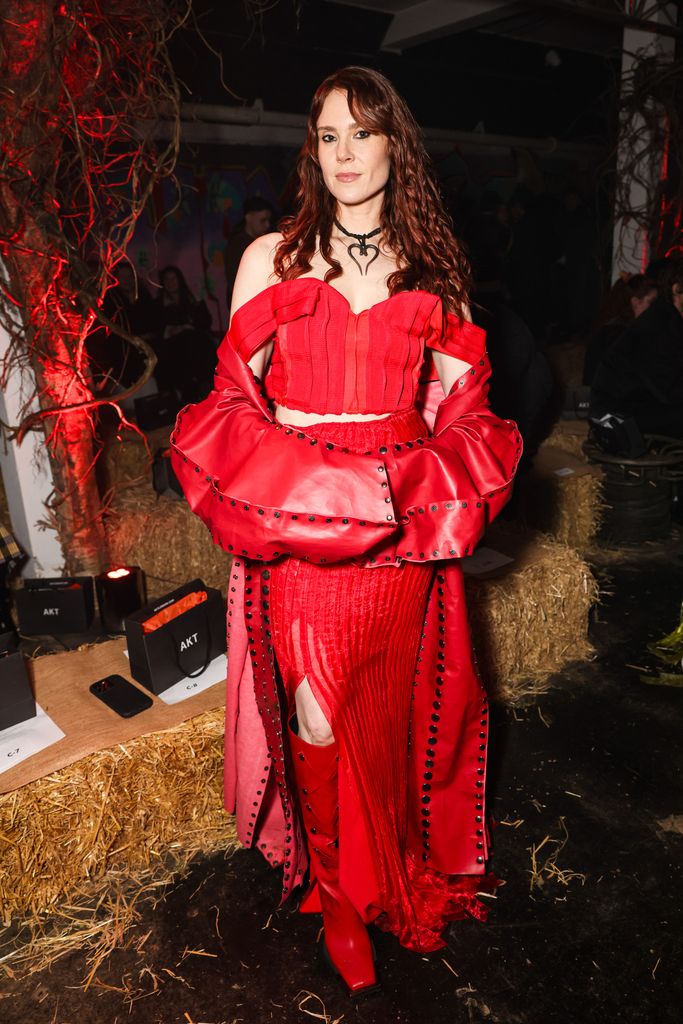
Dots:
{"x": 641, "y": 375}
{"x": 521, "y": 379}
{"x": 626, "y": 300}
{"x": 184, "y": 345}
{"x": 257, "y": 220}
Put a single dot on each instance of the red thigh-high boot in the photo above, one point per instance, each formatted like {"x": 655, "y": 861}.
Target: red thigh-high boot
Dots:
{"x": 346, "y": 938}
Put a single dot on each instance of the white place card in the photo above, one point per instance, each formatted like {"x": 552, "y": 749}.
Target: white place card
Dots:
{"x": 564, "y": 471}
{"x": 22, "y": 741}
{"x": 484, "y": 560}
{"x": 215, "y": 672}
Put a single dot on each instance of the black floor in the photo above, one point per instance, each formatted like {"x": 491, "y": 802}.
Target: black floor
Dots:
{"x": 594, "y": 763}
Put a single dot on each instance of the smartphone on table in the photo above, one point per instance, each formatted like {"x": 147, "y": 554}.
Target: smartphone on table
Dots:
{"x": 121, "y": 696}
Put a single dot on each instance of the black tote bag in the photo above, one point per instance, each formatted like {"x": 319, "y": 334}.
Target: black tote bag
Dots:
{"x": 183, "y": 647}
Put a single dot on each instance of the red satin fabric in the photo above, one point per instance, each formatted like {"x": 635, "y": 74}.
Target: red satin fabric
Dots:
{"x": 328, "y": 359}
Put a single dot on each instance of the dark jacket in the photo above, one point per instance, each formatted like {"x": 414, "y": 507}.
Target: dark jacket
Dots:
{"x": 642, "y": 373}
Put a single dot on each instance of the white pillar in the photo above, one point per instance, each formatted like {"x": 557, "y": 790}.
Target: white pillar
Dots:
{"x": 27, "y": 477}
{"x": 637, "y": 179}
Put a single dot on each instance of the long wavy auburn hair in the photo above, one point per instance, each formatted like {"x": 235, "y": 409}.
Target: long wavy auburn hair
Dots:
{"x": 415, "y": 225}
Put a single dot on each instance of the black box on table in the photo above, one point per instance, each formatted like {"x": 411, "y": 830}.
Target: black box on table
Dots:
{"x": 181, "y": 647}
{"x": 56, "y": 605}
{"x": 16, "y": 699}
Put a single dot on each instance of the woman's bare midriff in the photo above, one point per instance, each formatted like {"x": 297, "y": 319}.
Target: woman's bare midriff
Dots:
{"x": 297, "y": 418}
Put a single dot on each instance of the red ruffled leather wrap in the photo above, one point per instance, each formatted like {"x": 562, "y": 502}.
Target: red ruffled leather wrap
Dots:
{"x": 265, "y": 490}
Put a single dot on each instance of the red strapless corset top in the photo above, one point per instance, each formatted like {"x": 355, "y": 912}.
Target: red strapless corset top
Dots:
{"x": 328, "y": 359}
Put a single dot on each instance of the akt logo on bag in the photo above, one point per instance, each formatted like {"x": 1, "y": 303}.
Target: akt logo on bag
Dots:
{"x": 189, "y": 641}
{"x": 50, "y": 611}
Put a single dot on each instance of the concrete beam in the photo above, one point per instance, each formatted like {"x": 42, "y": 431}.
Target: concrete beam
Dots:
{"x": 254, "y": 126}
{"x": 432, "y": 19}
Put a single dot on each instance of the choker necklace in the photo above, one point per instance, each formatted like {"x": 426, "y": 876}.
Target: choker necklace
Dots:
{"x": 361, "y": 245}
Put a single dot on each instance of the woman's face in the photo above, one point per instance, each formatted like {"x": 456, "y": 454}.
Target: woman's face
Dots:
{"x": 170, "y": 282}
{"x": 640, "y": 305}
{"x": 354, "y": 162}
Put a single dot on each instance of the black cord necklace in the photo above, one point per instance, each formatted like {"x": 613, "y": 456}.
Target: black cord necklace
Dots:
{"x": 361, "y": 245}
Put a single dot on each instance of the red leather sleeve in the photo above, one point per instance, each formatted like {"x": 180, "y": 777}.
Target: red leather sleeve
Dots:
{"x": 447, "y": 488}
{"x": 265, "y": 490}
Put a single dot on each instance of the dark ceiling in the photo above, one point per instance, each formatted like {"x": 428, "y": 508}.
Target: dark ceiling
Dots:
{"x": 497, "y": 78}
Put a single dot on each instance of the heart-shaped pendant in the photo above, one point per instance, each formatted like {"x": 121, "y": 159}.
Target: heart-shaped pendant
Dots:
{"x": 363, "y": 250}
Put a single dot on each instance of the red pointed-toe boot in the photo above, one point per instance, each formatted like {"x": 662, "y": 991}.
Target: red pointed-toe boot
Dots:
{"x": 346, "y": 938}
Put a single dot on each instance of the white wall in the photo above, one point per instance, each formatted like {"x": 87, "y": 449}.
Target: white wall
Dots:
{"x": 27, "y": 479}
{"x": 630, "y": 244}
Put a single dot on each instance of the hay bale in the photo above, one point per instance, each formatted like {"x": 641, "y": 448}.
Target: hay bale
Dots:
{"x": 529, "y": 618}
{"x": 126, "y": 458}
{"x": 569, "y": 436}
{"x": 90, "y": 843}
{"x": 561, "y": 495}
{"x": 121, "y": 809}
{"x": 566, "y": 359}
{"x": 164, "y": 537}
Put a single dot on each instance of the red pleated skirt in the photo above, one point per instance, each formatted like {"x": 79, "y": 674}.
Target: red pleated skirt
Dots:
{"x": 354, "y": 633}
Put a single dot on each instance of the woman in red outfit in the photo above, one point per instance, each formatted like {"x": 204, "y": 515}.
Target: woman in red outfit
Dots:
{"x": 346, "y": 516}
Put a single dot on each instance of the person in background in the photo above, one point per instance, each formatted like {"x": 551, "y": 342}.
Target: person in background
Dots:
{"x": 521, "y": 386}
{"x": 257, "y": 220}
{"x": 184, "y": 345}
{"x": 626, "y": 300}
{"x": 115, "y": 363}
{"x": 641, "y": 375}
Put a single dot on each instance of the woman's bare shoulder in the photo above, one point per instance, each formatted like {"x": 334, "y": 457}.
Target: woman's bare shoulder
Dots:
{"x": 255, "y": 270}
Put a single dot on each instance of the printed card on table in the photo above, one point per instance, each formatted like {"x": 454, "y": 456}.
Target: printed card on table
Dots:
{"x": 27, "y": 738}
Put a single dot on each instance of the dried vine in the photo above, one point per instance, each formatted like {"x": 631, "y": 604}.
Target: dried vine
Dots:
{"x": 83, "y": 85}
{"x": 651, "y": 151}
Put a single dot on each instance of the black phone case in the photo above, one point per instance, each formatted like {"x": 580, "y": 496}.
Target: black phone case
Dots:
{"x": 121, "y": 696}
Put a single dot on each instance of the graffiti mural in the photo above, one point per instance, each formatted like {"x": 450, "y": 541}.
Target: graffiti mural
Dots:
{"x": 190, "y": 230}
